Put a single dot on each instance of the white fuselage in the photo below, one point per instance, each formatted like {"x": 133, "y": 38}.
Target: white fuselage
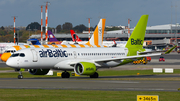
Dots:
{"x": 64, "y": 58}
{"x": 105, "y": 43}
{"x": 5, "y": 46}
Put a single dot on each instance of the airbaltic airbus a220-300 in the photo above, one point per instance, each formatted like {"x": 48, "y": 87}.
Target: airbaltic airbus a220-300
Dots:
{"x": 84, "y": 61}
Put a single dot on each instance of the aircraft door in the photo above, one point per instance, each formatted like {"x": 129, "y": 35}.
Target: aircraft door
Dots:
{"x": 126, "y": 51}
{"x": 75, "y": 55}
{"x": 34, "y": 53}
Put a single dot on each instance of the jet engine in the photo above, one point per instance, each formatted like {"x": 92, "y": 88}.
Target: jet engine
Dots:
{"x": 85, "y": 68}
{"x": 38, "y": 71}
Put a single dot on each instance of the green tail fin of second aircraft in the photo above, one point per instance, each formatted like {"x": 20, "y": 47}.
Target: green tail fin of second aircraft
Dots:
{"x": 136, "y": 40}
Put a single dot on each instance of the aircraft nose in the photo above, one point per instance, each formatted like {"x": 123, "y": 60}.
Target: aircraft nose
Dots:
{"x": 5, "y": 56}
{"x": 11, "y": 63}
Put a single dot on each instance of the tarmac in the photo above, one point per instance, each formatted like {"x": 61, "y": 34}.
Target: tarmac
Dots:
{"x": 104, "y": 82}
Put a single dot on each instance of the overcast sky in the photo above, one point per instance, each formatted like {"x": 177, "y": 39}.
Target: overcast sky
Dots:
{"x": 76, "y": 12}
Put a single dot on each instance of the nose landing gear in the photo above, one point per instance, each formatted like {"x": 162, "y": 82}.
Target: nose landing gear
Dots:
{"x": 20, "y": 76}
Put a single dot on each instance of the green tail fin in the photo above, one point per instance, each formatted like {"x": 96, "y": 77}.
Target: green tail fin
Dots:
{"x": 136, "y": 39}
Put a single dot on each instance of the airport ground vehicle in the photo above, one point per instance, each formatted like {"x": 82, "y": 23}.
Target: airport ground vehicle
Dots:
{"x": 161, "y": 58}
{"x": 148, "y": 59}
{"x": 142, "y": 60}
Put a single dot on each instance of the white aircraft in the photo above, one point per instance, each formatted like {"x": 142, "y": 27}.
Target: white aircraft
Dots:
{"x": 5, "y": 46}
{"x": 83, "y": 61}
{"x": 76, "y": 40}
{"x": 95, "y": 41}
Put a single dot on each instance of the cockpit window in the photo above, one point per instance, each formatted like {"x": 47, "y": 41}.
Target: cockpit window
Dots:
{"x": 22, "y": 55}
{"x": 18, "y": 54}
{"x": 10, "y": 51}
{"x": 7, "y": 51}
{"x": 15, "y": 55}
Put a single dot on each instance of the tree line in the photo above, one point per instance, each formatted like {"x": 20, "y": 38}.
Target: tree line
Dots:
{"x": 59, "y": 28}
{"x": 7, "y": 33}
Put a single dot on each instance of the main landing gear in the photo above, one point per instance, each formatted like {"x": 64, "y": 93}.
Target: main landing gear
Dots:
{"x": 95, "y": 75}
{"x": 65, "y": 74}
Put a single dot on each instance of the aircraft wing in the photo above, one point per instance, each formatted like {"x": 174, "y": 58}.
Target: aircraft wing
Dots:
{"x": 148, "y": 52}
{"x": 165, "y": 52}
{"x": 122, "y": 58}
{"x": 126, "y": 57}
{"x": 72, "y": 62}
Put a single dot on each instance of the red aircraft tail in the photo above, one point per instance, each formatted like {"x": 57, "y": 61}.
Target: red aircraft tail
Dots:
{"x": 74, "y": 36}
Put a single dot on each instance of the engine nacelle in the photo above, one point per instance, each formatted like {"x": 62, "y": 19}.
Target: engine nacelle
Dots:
{"x": 85, "y": 68}
{"x": 38, "y": 71}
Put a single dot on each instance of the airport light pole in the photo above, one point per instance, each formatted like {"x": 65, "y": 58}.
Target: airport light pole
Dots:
{"x": 129, "y": 28}
{"x": 89, "y": 27}
{"x": 14, "y": 30}
{"x": 46, "y": 11}
{"x": 41, "y": 24}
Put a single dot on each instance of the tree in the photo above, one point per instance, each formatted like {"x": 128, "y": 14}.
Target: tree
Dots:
{"x": 113, "y": 28}
{"x": 80, "y": 28}
{"x": 34, "y": 25}
{"x": 67, "y": 26}
{"x": 2, "y": 28}
{"x": 58, "y": 28}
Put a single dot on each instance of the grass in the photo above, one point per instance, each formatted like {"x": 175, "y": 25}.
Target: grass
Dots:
{"x": 86, "y": 95}
{"x": 25, "y": 75}
{"x": 103, "y": 73}
{"x": 79, "y": 95}
{"x": 131, "y": 72}
{"x": 6, "y": 68}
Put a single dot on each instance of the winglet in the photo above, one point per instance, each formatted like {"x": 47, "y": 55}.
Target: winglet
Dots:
{"x": 97, "y": 37}
{"x": 74, "y": 36}
{"x": 170, "y": 50}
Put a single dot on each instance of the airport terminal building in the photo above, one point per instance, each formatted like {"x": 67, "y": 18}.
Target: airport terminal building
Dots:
{"x": 168, "y": 34}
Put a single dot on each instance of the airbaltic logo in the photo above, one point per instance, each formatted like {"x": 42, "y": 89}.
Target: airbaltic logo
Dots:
{"x": 136, "y": 42}
{"x": 89, "y": 69}
{"x": 53, "y": 53}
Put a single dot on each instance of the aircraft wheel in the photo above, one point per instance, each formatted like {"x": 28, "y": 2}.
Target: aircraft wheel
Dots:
{"x": 20, "y": 76}
{"x": 63, "y": 75}
{"x": 95, "y": 75}
{"x": 67, "y": 75}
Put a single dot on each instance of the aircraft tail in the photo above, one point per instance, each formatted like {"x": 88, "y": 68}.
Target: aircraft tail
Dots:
{"x": 34, "y": 41}
{"x": 97, "y": 37}
{"x": 136, "y": 40}
{"x": 51, "y": 36}
{"x": 75, "y": 37}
